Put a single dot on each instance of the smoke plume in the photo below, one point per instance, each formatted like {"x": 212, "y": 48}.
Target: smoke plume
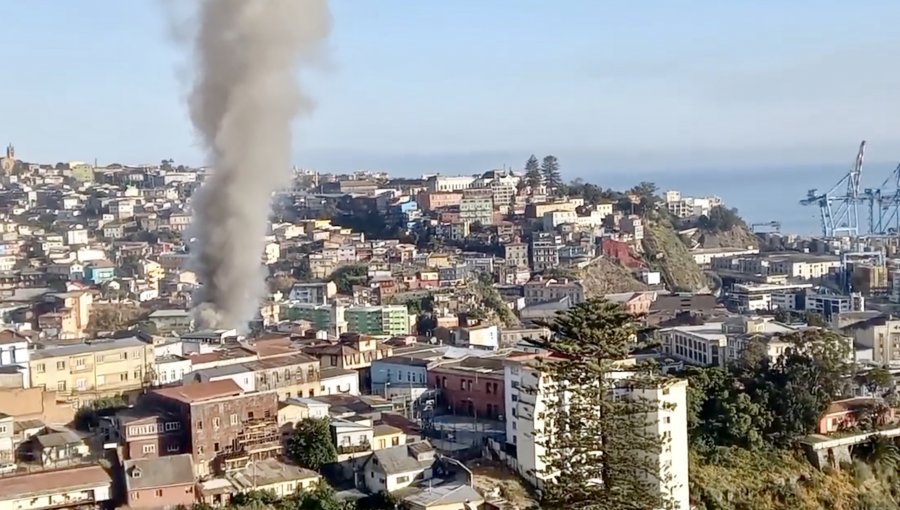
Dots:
{"x": 244, "y": 98}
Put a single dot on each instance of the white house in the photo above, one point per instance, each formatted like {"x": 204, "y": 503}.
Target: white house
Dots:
{"x": 352, "y": 438}
{"x": 14, "y": 353}
{"x": 337, "y": 381}
{"x": 395, "y": 468}
{"x": 171, "y": 369}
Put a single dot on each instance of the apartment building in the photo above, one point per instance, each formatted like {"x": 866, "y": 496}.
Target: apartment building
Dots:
{"x": 689, "y": 207}
{"x": 84, "y": 372}
{"x": 330, "y": 318}
{"x": 430, "y": 201}
{"x": 718, "y": 343}
{"x": 472, "y": 387}
{"x": 146, "y": 432}
{"x": 545, "y": 251}
{"x": 287, "y": 376}
{"x": 477, "y": 206}
{"x": 527, "y": 400}
{"x": 446, "y": 183}
{"x": 545, "y": 290}
{"x": 882, "y": 335}
{"x": 317, "y": 293}
{"x": 222, "y": 426}
{"x": 70, "y": 316}
{"x": 516, "y": 254}
{"x": 385, "y": 320}
{"x": 749, "y": 297}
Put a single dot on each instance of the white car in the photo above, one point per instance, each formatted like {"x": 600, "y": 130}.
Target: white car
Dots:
{"x": 7, "y": 468}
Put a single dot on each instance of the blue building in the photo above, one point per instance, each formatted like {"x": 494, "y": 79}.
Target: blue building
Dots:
{"x": 406, "y": 371}
{"x": 99, "y": 272}
{"x": 403, "y": 214}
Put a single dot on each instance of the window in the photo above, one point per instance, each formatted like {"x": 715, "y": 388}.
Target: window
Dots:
{"x": 60, "y": 365}
{"x": 123, "y": 376}
{"x": 200, "y": 449}
{"x": 40, "y": 368}
{"x": 199, "y": 425}
{"x": 81, "y": 384}
{"x": 234, "y": 419}
{"x": 172, "y": 448}
{"x": 249, "y": 415}
{"x": 668, "y": 419}
{"x": 381, "y": 442}
{"x": 395, "y": 441}
{"x": 125, "y": 355}
{"x": 158, "y": 493}
{"x": 515, "y": 398}
{"x": 462, "y": 385}
{"x": 171, "y": 425}
{"x": 402, "y": 479}
{"x": 149, "y": 448}
{"x": 514, "y": 425}
{"x": 101, "y": 380}
{"x": 79, "y": 362}
{"x": 215, "y": 447}
{"x": 267, "y": 414}
{"x": 135, "y": 495}
{"x": 61, "y": 386}
{"x": 137, "y": 375}
{"x": 216, "y": 422}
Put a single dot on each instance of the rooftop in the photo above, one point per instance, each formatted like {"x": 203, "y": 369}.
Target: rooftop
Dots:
{"x": 159, "y": 472}
{"x": 85, "y": 348}
{"x": 266, "y": 472}
{"x": 54, "y": 482}
{"x": 203, "y": 391}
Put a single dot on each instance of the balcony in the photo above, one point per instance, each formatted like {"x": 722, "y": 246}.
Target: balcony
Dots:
{"x": 354, "y": 448}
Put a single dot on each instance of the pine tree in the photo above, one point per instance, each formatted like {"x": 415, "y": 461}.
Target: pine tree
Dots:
{"x": 600, "y": 450}
{"x": 533, "y": 175}
{"x": 550, "y": 171}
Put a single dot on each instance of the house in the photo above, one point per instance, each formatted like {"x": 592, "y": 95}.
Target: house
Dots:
{"x": 337, "y": 380}
{"x": 353, "y": 436}
{"x": 396, "y": 468}
{"x": 854, "y": 412}
{"x": 148, "y": 433}
{"x": 274, "y": 476}
{"x": 169, "y": 321}
{"x": 87, "y": 486}
{"x": 452, "y": 496}
{"x": 58, "y": 447}
{"x": 164, "y": 482}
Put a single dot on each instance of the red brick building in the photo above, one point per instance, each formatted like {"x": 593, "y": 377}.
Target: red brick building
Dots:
{"x": 221, "y": 425}
{"x": 469, "y": 386}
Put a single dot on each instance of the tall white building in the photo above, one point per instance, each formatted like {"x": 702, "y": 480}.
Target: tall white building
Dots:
{"x": 438, "y": 183}
{"x": 527, "y": 399}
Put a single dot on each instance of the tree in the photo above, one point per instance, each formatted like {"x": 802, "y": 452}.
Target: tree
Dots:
{"x": 550, "y": 172}
{"x": 345, "y": 277}
{"x": 878, "y": 378}
{"x": 816, "y": 320}
{"x": 600, "y": 447}
{"x": 310, "y": 445}
{"x": 533, "y": 175}
{"x": 720, "y": 219}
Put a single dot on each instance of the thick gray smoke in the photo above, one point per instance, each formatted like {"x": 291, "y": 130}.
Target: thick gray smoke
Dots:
{"x": 244, "y": 98}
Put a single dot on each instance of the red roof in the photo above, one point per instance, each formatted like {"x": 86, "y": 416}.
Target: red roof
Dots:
{"x": 198, "y": 392}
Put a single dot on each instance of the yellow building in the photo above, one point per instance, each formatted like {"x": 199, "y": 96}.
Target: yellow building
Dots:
{"x": 386, "y": 436}
{"x": 84, "y": 372}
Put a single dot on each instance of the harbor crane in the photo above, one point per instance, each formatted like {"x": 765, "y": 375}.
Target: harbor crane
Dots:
{"x": 839, "y": 206}
{"x": 773, "y": 226}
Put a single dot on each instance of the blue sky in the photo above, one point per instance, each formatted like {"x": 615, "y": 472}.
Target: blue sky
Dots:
{"x": 459, "y": 86}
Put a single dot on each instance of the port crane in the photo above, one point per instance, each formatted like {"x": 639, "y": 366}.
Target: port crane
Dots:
{"x": 773, "y": 226}
{"x": 839, "y": 206}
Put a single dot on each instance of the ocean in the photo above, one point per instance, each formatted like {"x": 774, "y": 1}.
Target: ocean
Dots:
{"x": 760, "y": 196}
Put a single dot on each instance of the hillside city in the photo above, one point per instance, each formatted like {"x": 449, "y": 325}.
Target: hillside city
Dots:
{"x": 405, "y": 351}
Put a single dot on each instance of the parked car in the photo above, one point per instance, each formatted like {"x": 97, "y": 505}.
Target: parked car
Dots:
{"x": 8, "y": 468}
